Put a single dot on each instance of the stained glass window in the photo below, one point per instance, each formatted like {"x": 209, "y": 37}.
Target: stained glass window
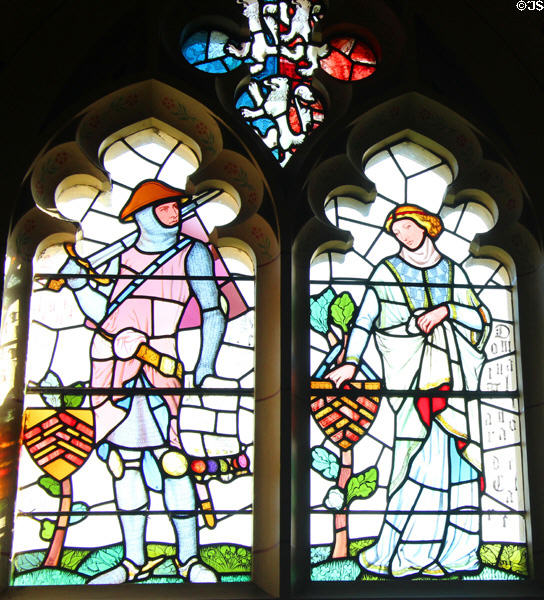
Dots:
{"x": 137, "y": 444}
{"x": 280, "y": 102}
{"x": 416, "y": 445}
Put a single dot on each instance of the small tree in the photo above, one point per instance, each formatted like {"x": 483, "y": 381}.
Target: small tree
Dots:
{"x": 331, "y": 316}
{"x": 59, "y": 439}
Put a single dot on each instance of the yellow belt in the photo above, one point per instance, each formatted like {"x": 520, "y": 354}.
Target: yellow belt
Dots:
{"x": 166, "y": 365}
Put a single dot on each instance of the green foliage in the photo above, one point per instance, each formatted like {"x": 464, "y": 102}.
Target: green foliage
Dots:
{"x": 227, "y": 558}
{"x": 507, "y": 557}
{"x": 342, "y": 310}
{"x": 47, "y": 529}
{"x": 489, "y": 554}
{"x": 155, "y": 550}
{"x": 371, "y": 577}
{"x": 443, "y": 578}
{"x": 73, "y": 400}
{"x": 325, "y": 462}
{"x": 57, "y": 400}
{"x": 101, "y": 560}
{"x": 49, "y": 576}
{"x": 235, "y": 578}
{"x": 514, "y": 558}
{"x": 319, "y": 310}
{"x": 362, "y": 485}
{"x": 72, "y": 558}
{"x": 50, "y": 485}
{"x": 319, "y": 553}
{"x": 336, "y": 570}
{"x": 79, "y": 564}
{"x": 357, "y": 545}
{"x": 154, "y": 579}
{"x": 490, "y": 574}
{"x": 166, "y": 568}
{"x": 26, "y": 561}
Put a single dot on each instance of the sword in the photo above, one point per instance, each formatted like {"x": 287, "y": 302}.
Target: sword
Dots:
{"x": 95, "y": 260}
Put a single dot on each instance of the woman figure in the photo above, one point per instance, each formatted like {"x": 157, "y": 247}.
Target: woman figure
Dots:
{"x": 430, "y": 329}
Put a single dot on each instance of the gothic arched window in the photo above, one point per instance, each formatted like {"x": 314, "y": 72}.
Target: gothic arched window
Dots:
{"x": 137, "y": 460}
{"x": 417, "y": 463}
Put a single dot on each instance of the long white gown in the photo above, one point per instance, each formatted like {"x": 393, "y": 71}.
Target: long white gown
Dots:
{"x": 432, "y": 521}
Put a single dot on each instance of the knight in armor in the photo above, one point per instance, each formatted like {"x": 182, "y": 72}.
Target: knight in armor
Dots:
{"x": 136, "y": 318}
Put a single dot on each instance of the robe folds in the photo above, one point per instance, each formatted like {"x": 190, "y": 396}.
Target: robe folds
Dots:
{"x": 432, "y": 520}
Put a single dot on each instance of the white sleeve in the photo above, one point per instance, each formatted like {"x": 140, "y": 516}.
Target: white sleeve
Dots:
{"x": 360, "y": 333}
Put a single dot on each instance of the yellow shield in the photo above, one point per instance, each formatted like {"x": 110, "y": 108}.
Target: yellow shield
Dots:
{"x": 59, "y": 441}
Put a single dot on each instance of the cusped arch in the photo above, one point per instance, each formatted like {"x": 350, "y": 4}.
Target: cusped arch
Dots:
{"x": 490, "y": 184}
{"x": 73, "y": 172}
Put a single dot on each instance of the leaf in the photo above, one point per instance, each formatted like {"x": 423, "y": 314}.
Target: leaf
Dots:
{"x": 325, "y": 462}
{"x": 319, "y": 310}
{"x": 489, "y": 554}
{"x": 357, "y": 545}
{"x": 155, "y": 550}
{"x": 514, "y": 558}
{"x": 26, "y": 561}
{"x": 82, "y": 508}
{"x": 73, "y": 400}
{"x": 226, "y": 558}
{"x": 47, "y": 529}
{"x": 50, "y": 485}
{"x": 342, "y": 310}
{"x": 335, "y": 498}
{"x": 51, "y": 379}
{"x": 71, "y": 559}
{"x": 166, "y": 568}
{"x": 362, "y": 485}
{"x": 101, "y": 560}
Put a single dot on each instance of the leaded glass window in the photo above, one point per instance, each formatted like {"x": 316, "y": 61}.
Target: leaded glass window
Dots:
{"x": 416, "y": 444}
{"x": 280, "y": 103}
{"x": 137, "y": 444}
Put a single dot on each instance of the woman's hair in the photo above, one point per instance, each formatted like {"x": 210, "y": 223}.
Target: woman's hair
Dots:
{"x": 431, "y": 223}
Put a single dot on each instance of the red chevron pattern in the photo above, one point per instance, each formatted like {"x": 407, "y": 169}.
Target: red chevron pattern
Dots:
{"x": 59, "y": 441}
{"x": 344, "y": 420}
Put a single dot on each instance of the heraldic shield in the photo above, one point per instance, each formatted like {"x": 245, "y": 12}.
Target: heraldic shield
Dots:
{"x": 59, "y": 441}
{"x": 345, "y": 419}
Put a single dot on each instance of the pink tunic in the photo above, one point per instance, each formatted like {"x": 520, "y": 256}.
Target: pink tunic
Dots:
{"x": 154, "y": 310}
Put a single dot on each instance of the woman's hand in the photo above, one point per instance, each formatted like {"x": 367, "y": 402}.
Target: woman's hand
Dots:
{"x": 429, "y": 320}
{"x": 342, "y": 374}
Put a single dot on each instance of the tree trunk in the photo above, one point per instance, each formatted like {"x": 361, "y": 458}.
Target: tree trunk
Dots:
{"x": 342, "y": 355}
{"x": 57, "y": 541}
{"x": 341, "y": 519}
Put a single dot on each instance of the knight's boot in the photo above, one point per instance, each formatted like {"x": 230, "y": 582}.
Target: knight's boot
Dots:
{"x": 131, "y": 495}
{"x": 195, "y": 571}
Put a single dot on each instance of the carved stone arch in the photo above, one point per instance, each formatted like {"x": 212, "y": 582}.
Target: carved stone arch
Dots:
{"x": 78, "y": 164}
{"x": 514, "y": 239}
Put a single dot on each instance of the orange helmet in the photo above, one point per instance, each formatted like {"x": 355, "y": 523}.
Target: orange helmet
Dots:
{"x": 150, "y": 192}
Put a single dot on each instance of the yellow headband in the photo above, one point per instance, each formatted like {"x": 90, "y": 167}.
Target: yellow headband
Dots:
{"x": 431, "y": 223}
